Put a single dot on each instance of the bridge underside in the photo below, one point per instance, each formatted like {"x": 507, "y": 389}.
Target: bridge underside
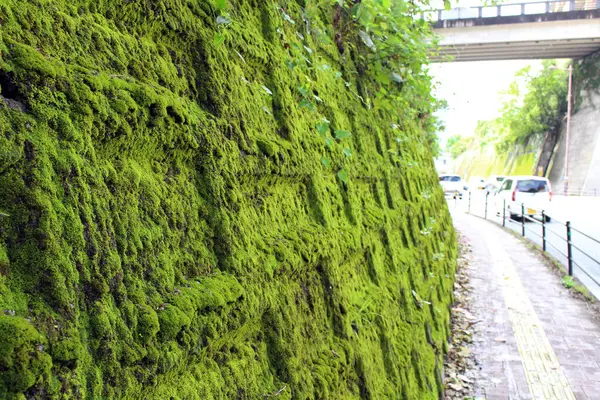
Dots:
{"x": 518, "y": 38}
{"x": 525, "y": 50}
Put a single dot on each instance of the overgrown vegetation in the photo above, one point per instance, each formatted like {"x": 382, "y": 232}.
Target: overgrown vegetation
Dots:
{"x": 457, "y": 145}
{"x": 228, "y": 199}
{"x": 535, "y": 104}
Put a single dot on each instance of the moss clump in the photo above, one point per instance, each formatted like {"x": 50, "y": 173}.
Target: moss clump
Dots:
{"x": 171, "y": 229}
{"x": 23, "y": 359}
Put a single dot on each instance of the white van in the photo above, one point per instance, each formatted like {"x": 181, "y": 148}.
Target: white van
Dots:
{"x": 452, "y": 185}
{"x": 533, "y": 192}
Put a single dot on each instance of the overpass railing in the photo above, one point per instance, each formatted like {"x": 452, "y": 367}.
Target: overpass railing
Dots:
{"x": 511, "y": 9}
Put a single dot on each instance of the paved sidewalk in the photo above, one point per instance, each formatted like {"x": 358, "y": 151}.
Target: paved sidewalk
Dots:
{"x": 533, "y": 339}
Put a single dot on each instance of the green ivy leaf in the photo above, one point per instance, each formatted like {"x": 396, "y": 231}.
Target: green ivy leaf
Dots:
{"x": 221, "y": 4}
{"x": 323, "y": 127}
{"x": 329, "y": 141}
{"x": 291, "y": 64}
{"x": 347, "y": 152}
{"x": 218, "y": 39}
{"x": 223, "y": 20}
{"x": 367, "y": 40}
{"x": 326, "y": 162}
{"x": 343, "y": 175}
{"x": 267, "y": 90}
{"x": 342, "y": 134}
{"x": 307, "y": 104}
{"x": 287, "y": 17}
{"x": 303, "y": 91}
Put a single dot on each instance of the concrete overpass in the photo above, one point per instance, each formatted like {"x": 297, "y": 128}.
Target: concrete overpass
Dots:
{"x": 535, "y": 30}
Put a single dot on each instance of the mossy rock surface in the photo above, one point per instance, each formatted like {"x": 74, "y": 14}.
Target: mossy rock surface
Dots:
{"x": 168, "y": 229}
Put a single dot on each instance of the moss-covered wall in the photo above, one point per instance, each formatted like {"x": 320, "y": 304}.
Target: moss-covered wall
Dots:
{"x": 521, "y": 160}
{"x": 168, "y": 229}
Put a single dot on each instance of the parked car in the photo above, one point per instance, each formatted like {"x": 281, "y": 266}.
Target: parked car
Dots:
{"x": 534, "y": 192}
{"x": 495, "y": 180}
{"x": 452, "y": 184}
{"x": 491, "y": 189}
{"x": 476, "y": 183}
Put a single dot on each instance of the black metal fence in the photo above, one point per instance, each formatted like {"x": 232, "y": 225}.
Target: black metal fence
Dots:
{"x": 565, "y": 246}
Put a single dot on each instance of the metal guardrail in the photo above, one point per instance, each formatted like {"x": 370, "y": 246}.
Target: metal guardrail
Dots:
{"x": 583, "y": 192}
{"x": 508, "y": 9}
{"x": 569, "y": 244}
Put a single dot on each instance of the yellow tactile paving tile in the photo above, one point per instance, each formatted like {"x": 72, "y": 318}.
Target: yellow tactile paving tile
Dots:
{"x": 543, "y": 372}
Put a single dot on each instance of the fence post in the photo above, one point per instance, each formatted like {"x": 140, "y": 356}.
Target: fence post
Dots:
{"x": 523, "y": 219}
{"x": 486, "y": 205}
{"x": 499, "y": 12}
{"x": 572, "y": 5}
{"x": 469, "y": 212}
{"x": 569, "y": 249}
{"x": 523, "y": 9}
{"x": 547, "y": 6}
{"x": 504, "y": 212}
{"x": 543, "y": 230}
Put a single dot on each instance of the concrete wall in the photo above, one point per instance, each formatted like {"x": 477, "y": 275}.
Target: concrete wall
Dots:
{"x": 584, "y": 146}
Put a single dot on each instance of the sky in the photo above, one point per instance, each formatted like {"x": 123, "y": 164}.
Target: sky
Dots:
{"x": 472, "y": 90}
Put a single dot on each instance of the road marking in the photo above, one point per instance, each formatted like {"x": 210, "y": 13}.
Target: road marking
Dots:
{"x": 543, "y": 372}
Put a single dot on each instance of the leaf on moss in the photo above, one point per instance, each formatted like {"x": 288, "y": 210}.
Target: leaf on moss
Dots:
{"x": 287, "y": 17}
{"x": 342, "y": 134}
{"x": 303, "y": 91}
{"x": 323, "y": 127}
{"x": 267, "y": 90}
{"x": 218, "y": 39}
{"x": 343, "y": 175}
{"x": 326, "y": 162}
{"x": 307, "y": 104}
{"x": 223, "y": 20}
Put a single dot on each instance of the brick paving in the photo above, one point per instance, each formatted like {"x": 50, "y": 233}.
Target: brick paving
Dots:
{"x": 533, "y": 339}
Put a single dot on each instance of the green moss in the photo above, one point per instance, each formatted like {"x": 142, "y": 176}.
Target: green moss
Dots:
{"x": 171, "y": 230}
{"x": 485, "y": 162}
{"x": 22, "y": 357}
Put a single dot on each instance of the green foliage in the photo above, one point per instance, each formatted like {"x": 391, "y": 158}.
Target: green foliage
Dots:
{"x": 398, "y": 63}
{"x": 534, "y": 104}
{"x": 539, "y": 109}
{"x": 568, "y": 282}
{"x": 457, "y": 145}
{"x": 175, "y": 225}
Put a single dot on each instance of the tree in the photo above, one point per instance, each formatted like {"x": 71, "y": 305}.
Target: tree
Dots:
{"x": 537, "y": 111}
{"x": 456, "y": 146}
